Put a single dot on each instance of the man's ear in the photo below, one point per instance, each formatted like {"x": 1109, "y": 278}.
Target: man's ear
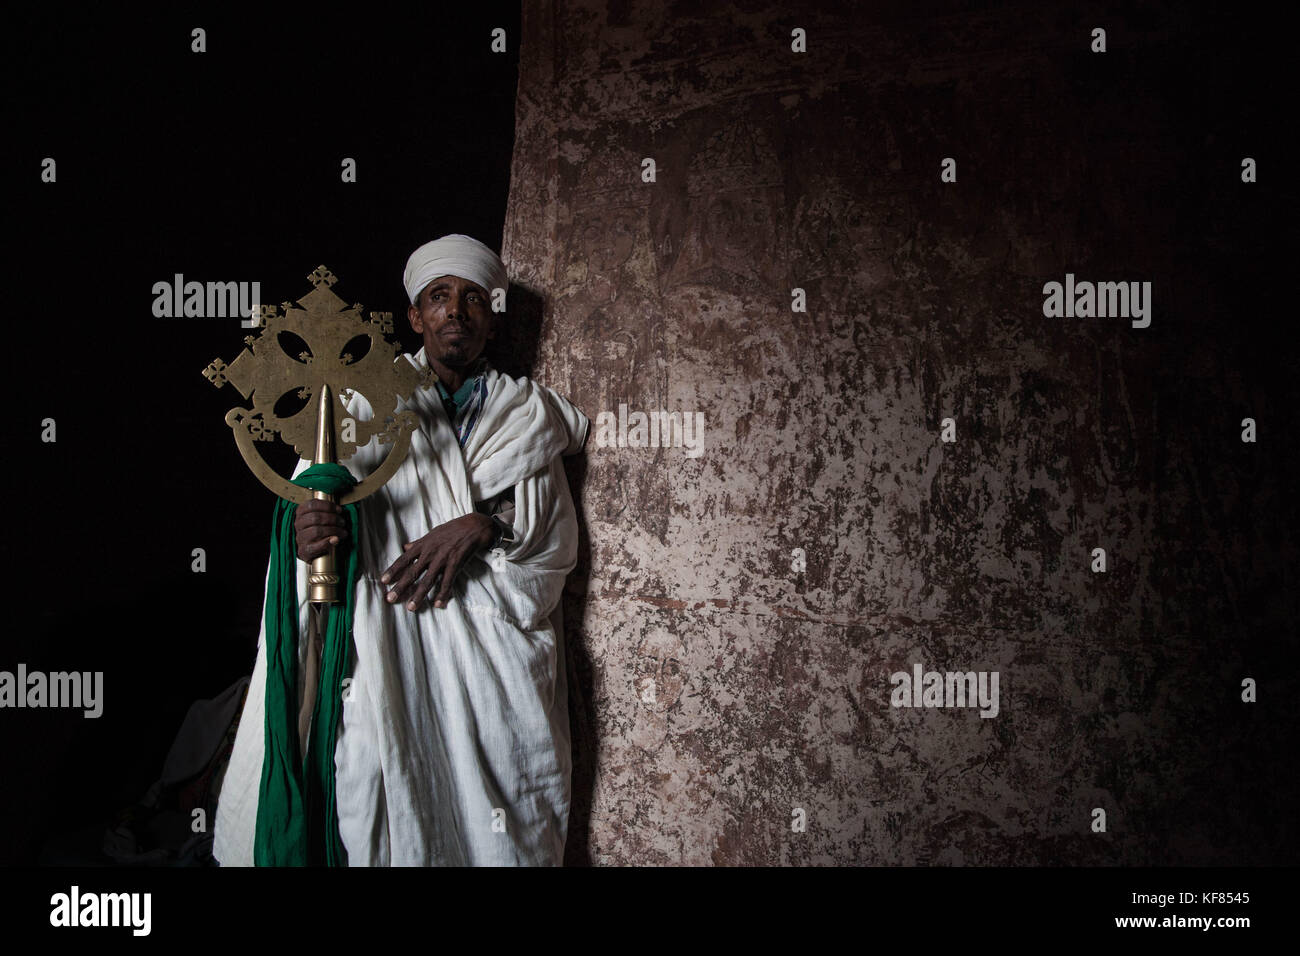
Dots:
{"x": 413, "y": 316}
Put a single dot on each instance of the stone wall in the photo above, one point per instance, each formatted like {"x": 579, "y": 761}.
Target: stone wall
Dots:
{"x": 737, "y": 614}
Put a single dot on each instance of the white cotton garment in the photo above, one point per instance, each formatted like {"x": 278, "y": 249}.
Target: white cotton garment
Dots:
{"x": 454, "y": 255}
{"x": 453, "y": 745}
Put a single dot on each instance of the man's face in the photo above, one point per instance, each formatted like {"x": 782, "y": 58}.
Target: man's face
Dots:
{"x": 455, "y": 318}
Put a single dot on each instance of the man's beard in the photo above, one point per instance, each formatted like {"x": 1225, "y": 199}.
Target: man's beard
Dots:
{"x": 456, "y": 356}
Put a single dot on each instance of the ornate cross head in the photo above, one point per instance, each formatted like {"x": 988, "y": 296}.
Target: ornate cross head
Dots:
{"x": 283, "y": 372}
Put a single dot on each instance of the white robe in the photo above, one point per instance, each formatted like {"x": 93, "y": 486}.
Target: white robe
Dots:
{"x": 453, "y": 747}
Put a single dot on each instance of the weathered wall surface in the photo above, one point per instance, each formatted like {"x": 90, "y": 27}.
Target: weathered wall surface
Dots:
{"x": 718, "y": 686}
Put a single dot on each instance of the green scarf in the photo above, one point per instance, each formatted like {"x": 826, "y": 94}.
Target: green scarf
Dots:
{"x": 297, "y": 815}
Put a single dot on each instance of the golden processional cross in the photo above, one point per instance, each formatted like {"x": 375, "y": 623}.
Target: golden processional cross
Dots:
{"x": 344, "y": 353}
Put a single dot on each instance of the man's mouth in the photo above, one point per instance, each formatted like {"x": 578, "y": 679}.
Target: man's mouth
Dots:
{"x": 455, "y": 333}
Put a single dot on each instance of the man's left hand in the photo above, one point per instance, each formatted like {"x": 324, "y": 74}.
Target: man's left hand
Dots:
{"x": 440, "y": 554}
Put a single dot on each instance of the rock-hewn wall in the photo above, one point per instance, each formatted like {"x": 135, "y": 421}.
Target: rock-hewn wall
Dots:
{"x": 722, "y": 680}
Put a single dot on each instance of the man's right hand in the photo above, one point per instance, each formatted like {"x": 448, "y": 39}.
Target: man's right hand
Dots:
{"x": 317, "y": 526}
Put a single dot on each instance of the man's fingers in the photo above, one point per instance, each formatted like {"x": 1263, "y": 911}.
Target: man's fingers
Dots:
{"x": 398, "y": 587}
{"x": 318, "y": 529}
{"x": 318, "y": 519}
{"x": 319, "y": 525}
{"x": 310, "y": 545}
{"x": 421, "y": 592}
{"x": 444, "y": 591}
{"x": 397, "y": 566}
{"x": 314, "y": 535}
{"x": 412, "y": 567}
{"x": 314, "y": 542}
{"x": 309, "y": 551}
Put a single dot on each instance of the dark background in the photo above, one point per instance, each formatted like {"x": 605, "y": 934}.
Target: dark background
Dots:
{"x": 222, "y": 166}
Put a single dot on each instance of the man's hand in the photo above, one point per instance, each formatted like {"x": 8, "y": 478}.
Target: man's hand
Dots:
{"x": 317, "y": 526}
{"x": 438, "y": 555}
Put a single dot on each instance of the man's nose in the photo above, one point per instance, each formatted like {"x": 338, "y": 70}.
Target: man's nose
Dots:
{"x": 456, "y": 304}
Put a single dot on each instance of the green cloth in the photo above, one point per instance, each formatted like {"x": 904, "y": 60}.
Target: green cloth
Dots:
{"x": 462, "y": 394}
{"x": 297, "y": 814}
{"x": 465, "y": 391}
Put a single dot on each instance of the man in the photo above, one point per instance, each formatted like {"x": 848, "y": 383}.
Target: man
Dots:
{"x": 453, "y": 743}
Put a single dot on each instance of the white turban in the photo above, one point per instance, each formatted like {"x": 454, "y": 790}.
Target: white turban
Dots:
{"x": 453, "y": 255}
